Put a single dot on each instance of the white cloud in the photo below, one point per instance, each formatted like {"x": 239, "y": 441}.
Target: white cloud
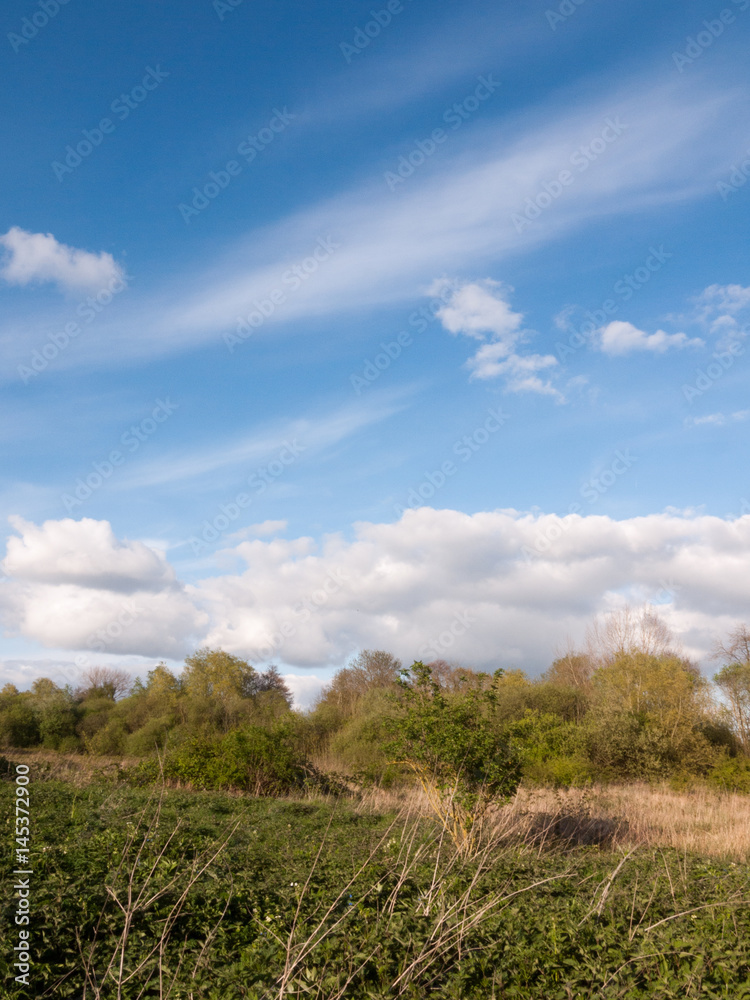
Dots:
{"x": 510, "y": 585}
{"x": 716, "y": 419}
{"x": 520, "y": 371}
{"x": 494, "y": 589}
{"x": 305, "y": 688}
{"x": 73, "y": 585}
{"x": 261, "y": 530}
{"x": 618, "y": 338}
{"x": 481, "y": 310}
{"x": 84, "y": 553}
{"x": 33, "y": 258}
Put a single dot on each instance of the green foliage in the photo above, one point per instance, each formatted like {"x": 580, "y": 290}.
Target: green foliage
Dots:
{"x": 152, "y": 735}
{"x": 361, "y": 745}
{"x": 217, "y": 692}
{"x": 461, "y": 759}
{"x": 571, "y": 771}
{"x": 109, "y": 739}
{"x": 552, "y": 750}
{"x": 258, "y": 760}
{"x": 669, "y": 926}
{"x": 734, "y": 682}
{"x": 730, "y": 774}
{"x": 371, "y": 671}
{"x": 541, "y": 736}
{"x": 640, "y": 712}
{"x": 649, "y": 719}
{"x": 57, "y": 724}
{"x": 212, "y": 673}
{"x": 19, "y": 724}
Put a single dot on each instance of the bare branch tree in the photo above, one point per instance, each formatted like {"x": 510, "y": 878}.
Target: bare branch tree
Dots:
{"x": 628, "y": 631}
{"x": 109, "y": 680}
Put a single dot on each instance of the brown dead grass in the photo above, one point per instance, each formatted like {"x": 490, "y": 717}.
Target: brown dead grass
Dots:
{"x": 701, "y": 821}
{"x": 77, "y": 769}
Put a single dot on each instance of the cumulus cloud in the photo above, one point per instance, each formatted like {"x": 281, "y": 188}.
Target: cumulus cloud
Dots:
{"x": 74, "y": 585}
{"x": 497, "y": 588}
{"x": 261, "y": 530}
{"x": 481, "y": 310}
{"x": 83, "y": 553}
{"x": 618, "y": 338}
{"x": 35, "y": 258}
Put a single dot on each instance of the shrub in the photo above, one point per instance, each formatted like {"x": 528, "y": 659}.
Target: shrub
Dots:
{"x": 57, "y": 722}
{"x": 110, "y": 739}
{"x": 150, "y": 736}
{"x": 731, "y": 774}
{"x": 571, "y": 771}
{"x": 360, "y": 746}
{"x": 19, "y": 726}
{"x": 463, "y": 762}
{"x": 254, "y": 759}
{"x": 69, "y": 744}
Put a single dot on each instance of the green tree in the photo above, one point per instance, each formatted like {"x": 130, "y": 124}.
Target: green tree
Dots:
{"x": 218, "y": 687}
{"x": 461, "y": 759}
{"x": 370, "y": 670}
{"x": 57, "y": 713}
{"x": 649, "y": 715}
{"x": 19, "y": 723}
{"x": 212, "y": 673}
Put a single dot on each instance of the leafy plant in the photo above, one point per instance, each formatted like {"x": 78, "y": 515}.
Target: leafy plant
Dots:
{"x": 461, "y": 760}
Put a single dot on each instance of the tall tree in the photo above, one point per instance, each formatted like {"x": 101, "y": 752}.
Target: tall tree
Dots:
{"x": 734, "y": 680}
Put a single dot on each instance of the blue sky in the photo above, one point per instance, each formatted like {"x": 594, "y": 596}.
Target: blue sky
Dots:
{"x": 399, "y": 311}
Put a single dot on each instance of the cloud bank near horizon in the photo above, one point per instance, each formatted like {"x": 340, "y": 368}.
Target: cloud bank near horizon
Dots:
{"x": 497, "y": 588}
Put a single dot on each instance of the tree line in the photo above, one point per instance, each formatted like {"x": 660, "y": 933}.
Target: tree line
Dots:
{"x": 627, "y": 706}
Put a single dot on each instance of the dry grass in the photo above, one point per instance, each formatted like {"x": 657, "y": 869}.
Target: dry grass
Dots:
{"x": 77, "y": 769}
{"x": 703, "y": 821}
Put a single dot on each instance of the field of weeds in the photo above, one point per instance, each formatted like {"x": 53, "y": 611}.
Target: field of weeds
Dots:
{"x": 613, "y": 892}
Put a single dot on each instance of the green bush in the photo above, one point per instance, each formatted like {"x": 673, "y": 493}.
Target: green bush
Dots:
{"x": 57, "y": 722}
{"x": 69, "y": 744}
{"x": 361, "y": 748}
{"x": 110, "y": 739}
{"x": 541, "y": 736}
{"x": 732, "y": 774}
{"x": 19, "y": 726}
{"x": 254, "y": 759}
{"x": 560, "y": 772}
{"x": 145, "y": 740}
{"x": 453, "y": 746}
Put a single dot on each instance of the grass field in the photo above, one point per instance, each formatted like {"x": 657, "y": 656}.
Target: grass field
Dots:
{"x": 617, "y": 892}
